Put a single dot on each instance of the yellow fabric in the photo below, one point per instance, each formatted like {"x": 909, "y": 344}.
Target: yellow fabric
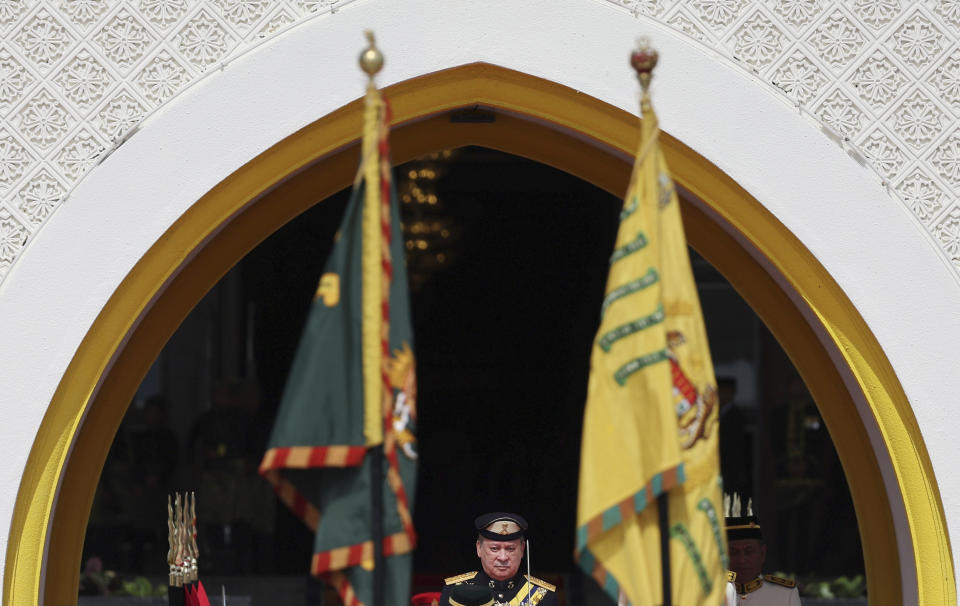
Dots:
{"x": 372, "y": 272}
{"x": 639, "y": 432}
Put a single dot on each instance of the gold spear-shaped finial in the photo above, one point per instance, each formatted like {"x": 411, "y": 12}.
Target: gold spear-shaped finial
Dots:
{"x": 643, "y": 60}
{"x": 185, "y": 541}
{"x": 371, "y": 59}
{"x": 172, "y": 543}
{"x": 194, "y": 550}
{"x": 179, "y": 552}
{"x": 188, "y": 563}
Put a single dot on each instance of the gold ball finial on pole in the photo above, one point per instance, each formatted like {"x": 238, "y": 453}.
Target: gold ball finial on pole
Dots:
{"x": 371, "y": 59}
{"x": 643, "y": 60}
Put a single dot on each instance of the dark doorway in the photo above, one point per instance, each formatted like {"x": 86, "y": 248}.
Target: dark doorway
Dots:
{"x": 508, "y": 262}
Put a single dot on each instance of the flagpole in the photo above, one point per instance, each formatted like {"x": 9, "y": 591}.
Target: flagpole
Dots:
{"x": 663, "y": 516}
{"x": 371, "y": 61}
{"x": 643, "y": 60}
{"x": 376, "y": 509}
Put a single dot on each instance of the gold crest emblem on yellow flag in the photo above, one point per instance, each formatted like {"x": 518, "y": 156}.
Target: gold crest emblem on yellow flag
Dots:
{"x": 650, "y": 425}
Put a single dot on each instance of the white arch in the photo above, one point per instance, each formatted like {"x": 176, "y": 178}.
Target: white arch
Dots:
{"x": 872, "y": 247}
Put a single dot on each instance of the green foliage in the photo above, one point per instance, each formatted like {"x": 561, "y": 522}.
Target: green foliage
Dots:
{"x": 99, "y": 582}
{"x": 840, "y": 587}
{"x": 108, "y": 582}
{"x": 141, "y": 587}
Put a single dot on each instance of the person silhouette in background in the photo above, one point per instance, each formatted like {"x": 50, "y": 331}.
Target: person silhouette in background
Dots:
{"x": 747, "y": 555}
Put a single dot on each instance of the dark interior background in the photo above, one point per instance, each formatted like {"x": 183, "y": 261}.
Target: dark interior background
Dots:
{"x": 508, "y": 261}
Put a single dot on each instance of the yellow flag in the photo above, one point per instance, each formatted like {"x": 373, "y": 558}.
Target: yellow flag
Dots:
{"x": 651, "y": 420}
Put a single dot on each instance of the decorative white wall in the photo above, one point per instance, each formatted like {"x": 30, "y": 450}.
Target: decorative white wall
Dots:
{"x": 840, "y": 117}
{"x": 881, "y": 76}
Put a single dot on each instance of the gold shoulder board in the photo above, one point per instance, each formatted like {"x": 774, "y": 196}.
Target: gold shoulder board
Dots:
{"x": 541, "y": 583}
{"x": 731, "y": 576}
{"x": 779, "y": 581}
{"x": 460, "y": 578}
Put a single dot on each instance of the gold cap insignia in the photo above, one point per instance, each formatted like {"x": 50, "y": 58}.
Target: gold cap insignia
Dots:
{"x": 502, "y": 527}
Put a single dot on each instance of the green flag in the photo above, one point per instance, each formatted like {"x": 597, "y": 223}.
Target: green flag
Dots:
{"x": 350, "y": 396}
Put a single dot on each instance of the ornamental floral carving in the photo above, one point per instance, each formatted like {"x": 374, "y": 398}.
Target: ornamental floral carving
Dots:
{"x": 10, "y": 11}
{"x": 13, "y": 236}
{"x": 83, "y": 80}
{"x": 917, "y": 120}
{"x": 718, "y": 14}
{"x": 43, "y": 120}
{"x": 798, "y": 12}
{"x": 757, "y": 41}
{"x": 243, "y": 13}
{"x": 276, "y": 22}
{"x": 162, "y": 78}
{"x": 315, "y": 6}
{"x": 79, "y": 155}
{"x": 837, "y": 40}
{"x": 799, "y": 77}
{"x": 203, "y": 41}
{"x": 878, "y": 80}
{"x": 124, "y": 40}
{"x": 884, "y": 155}
{"x": 44, "y": 40}
{"x": 119, "y": 115}
{"x": 949, "y": 10}
{"x": 946, "y": 79}
{"x": 917, "y": 41}
{"x": 83, "y": 12}
{"x": 40, "y": 196}
{"x": 14, "y": 80}
{"x": 947, "y": 232}
{"x": 877, "y": 13}
{"x": 651, "y": 8}
{"x": 884, "y": 73}
{"x": 921, "y": 195}
{"x": 841, "y": 114}
{"x": 163, "y": 13}
{"x": 14, "y": 161}
{"x": 946, "y": 159}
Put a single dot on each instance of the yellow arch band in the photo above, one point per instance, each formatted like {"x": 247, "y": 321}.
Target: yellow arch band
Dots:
{"x": 548, "y": 123}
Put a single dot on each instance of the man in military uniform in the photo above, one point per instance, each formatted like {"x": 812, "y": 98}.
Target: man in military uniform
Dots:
{"x": 747, "y": 554}
{"x": 500, "y": 547}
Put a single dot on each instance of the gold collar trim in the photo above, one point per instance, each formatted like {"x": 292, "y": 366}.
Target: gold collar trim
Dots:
{"x": 749, "y": 586}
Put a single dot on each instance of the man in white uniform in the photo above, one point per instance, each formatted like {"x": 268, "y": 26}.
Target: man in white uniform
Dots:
{"x": 747, "y": 554}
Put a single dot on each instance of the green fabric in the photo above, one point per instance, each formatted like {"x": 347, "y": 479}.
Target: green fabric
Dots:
{"x": 322, "y": 402}
{"x": 322, "y": 405}
{"x": 396, "y": 581}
